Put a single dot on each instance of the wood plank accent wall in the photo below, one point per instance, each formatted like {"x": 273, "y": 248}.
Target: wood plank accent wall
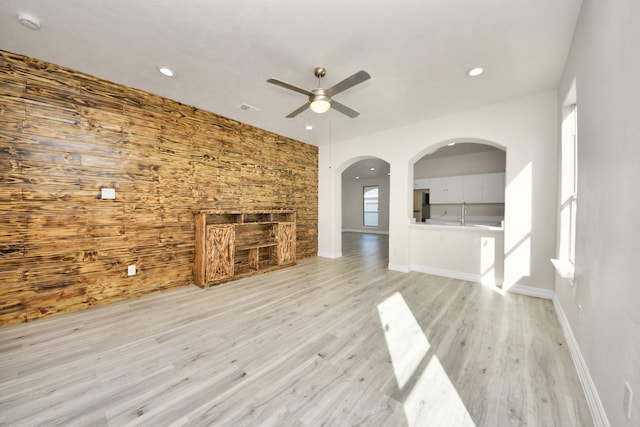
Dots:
{"x": 65, "y": 135}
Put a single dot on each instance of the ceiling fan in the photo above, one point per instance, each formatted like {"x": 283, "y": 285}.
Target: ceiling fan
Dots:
{"x": 320, "y": 100}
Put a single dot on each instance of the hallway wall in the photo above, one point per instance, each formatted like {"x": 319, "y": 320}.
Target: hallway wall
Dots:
{"x": 602, "y": 306}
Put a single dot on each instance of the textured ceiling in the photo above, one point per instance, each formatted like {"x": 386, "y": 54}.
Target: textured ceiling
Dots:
{"x": 223, "y": 52}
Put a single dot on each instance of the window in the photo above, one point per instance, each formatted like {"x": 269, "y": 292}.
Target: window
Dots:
{"x": 370, "y": 204}
{"x": 569, "y": 176}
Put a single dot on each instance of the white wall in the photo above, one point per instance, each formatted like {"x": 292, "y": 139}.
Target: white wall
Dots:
{"x": 352, "y": 204}
{"x": 524, "y": 127}
{"x": 604, "y": 61}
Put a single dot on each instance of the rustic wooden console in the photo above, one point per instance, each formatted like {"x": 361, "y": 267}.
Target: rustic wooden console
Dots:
{"x": 235, "y": 244}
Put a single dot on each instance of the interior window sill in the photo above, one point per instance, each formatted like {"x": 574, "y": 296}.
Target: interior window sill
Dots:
{"x": 564, "y": 268}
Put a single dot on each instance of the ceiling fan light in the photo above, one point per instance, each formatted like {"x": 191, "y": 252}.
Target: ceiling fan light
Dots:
{"x": 320, "y": 106}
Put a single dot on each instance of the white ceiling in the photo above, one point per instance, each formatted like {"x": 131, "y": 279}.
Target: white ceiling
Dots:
{"x": 417, "y": 52}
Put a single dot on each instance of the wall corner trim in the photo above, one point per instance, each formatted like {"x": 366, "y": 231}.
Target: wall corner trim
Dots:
{"x": 531, "y": 291}
{"x": 589, "y": 388}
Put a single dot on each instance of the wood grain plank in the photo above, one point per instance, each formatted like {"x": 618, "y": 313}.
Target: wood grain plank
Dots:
{"x": 299, "y": 346}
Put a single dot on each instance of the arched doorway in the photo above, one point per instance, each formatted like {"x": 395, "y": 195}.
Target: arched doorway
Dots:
{"x": 365, "y": 204}
{"x": 459, "y": 231}
{"x": 365, "y": 196}
{"x": 456, "y": 173}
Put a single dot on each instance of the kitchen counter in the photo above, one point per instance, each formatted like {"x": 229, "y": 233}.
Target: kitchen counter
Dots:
{"x": 481, "y": 223}
{"x": 474, "y": 251}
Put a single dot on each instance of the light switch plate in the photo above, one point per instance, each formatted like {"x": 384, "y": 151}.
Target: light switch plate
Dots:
{"x": 131, "y": 270}
{"x": 108, "y": 194}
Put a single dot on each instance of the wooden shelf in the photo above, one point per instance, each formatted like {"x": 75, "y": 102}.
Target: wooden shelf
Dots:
{"x": 257, "y": 246}
{"x": 234, "y": 244}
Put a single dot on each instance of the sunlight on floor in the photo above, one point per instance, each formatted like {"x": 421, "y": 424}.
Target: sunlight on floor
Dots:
{"x": 495, "y": 288}
{"x": 406, "y": 342}
{"x": 433, "y": 399}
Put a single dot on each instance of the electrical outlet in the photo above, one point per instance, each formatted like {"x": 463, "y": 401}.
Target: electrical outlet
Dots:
{"x": 131, "y": 270}
{"x": 626, "y": 404}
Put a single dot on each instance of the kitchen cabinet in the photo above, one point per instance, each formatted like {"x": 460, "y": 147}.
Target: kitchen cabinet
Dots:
{"x": 472, "y": 189}
{"x": 493, "y": 186}
{"x": 446, "y": 190}
{"x": 421, "y": 183}
{"x": 479, "y": 188}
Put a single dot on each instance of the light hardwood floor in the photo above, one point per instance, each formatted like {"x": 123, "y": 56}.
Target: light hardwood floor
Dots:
{"x": 327, "y": 342}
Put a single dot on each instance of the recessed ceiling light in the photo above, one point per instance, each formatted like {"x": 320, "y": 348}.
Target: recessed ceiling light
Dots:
{"x": 475, "y": 71}
{"x": 357, "y": 177}
{"x": 308, "y": 127}
{"x": 373, "y": 169}
{"x": 29, "y": 21}
{"x": 166, "y": 71}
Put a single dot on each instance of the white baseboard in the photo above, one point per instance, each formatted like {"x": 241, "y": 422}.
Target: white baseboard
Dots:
{"x": 460, "y": 275}
{"x": 402, "y": 268}
{"x": 332, "y": 255}
{"x": 589, "y": 388}
{"x": 359, "y": 230}
{"x": 446, "y": 273}
{"x": 531, "y": 291}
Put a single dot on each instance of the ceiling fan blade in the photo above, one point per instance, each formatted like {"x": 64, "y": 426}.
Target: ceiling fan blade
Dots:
{"x": 298, "y": 111}
{"x": 347, "y": 83}
{"x": 344, "y": 109}
{"x": 289, "y": 86}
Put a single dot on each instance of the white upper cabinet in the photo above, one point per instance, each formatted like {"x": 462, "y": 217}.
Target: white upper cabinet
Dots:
{"x": 482, "y": 188}
{"x": 493, "y": 186}
{"x": 421, "y": 183}
{"x": 472, "y": 189}
{"x": 446, "y": 190}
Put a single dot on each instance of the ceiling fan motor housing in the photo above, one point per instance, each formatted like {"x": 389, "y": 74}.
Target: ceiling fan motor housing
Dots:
{"x": 319, "y": 95}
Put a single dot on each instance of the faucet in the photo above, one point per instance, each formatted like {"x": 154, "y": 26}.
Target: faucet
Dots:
{"x": 464, "y": 213}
